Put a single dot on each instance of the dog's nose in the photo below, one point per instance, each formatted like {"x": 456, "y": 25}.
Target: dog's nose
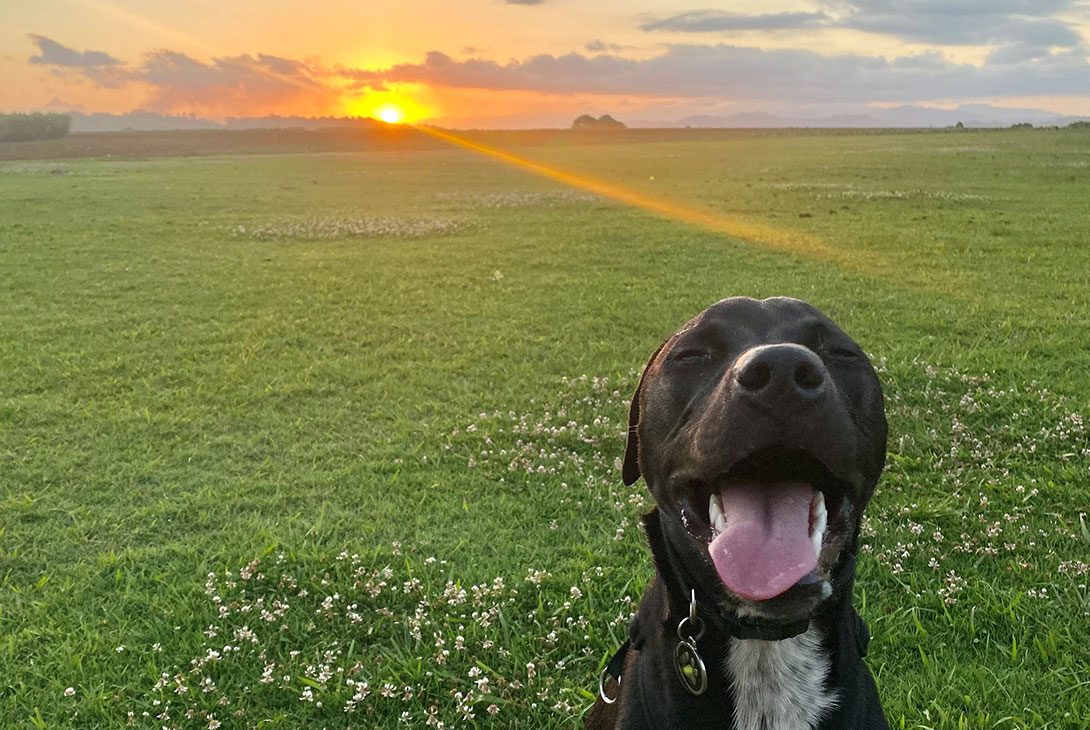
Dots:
{"x": 785, "y": 371}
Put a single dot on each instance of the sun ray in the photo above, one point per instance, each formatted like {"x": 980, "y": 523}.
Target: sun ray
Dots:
{"x": 748, "y": 231}
{"x": 147, "y": 24}
{"x": 782, "y": 239}
{"x": 144, "y": 23}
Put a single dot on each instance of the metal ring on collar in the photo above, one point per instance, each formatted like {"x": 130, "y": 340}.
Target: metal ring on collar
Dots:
{"x": 692, "y": 619}
{"x": 602, "y": 687}
{"x": 697, "y": 625}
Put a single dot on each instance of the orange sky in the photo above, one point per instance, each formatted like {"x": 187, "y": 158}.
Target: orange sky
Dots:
{"x": 540, "y": 62}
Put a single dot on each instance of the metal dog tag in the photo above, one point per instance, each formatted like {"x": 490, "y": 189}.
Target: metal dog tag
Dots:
{"x": 690, "y": 668}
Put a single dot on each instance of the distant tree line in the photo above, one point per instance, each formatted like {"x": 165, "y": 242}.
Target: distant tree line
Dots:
{"x": 28, "y": 127}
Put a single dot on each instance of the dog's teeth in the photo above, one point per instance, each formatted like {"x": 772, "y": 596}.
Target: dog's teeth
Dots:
{"x": 821, "y": 516}
{"x": 715, "y": 515}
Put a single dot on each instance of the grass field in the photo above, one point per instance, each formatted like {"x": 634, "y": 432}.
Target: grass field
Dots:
{"x": 331, "y": 440}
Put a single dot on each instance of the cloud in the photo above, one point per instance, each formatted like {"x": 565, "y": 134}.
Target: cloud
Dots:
{"x": 548, "y": 73}
{"x": 965, "y": 22}
{"x": 52, "y": 53}
{"x": 598, "y": 46}
{"x": 231, "y": 85}
{"x": 743, "y": 73}
{"x": 99, "y": 67}
{"x": 255, "y": 85}
{"x": 959, "y": 22}
{"x": 702, "y": 21}
{"x": 248, "y": 85}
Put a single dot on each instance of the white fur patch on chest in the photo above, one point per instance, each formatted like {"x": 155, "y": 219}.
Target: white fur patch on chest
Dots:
{"x": 779, "y": 685}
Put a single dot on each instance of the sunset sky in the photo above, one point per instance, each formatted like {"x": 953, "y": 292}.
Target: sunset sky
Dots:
{"x": 523, "y": 63}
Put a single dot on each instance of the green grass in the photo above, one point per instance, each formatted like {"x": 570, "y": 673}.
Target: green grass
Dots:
{"x": 181, "y": 397}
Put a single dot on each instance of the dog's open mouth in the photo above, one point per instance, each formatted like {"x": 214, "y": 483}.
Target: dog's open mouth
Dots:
{"x": 766, "y": 522}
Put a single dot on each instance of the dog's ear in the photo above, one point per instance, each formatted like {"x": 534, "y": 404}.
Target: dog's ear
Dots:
{"x": 630, "y": 470}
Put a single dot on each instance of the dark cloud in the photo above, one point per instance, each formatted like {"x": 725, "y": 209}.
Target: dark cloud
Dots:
{"x": 964, "y": 22}
{"x": 700, "y": 21}
{"x": 1015, "y": 53}
{"x": 958, "y": 22}
{"x": 51, "y": 53}
{"x": 956, "y": 8}
{"x": 753, "y": 74}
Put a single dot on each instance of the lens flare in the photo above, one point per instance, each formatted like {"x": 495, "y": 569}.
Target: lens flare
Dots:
{"x": 751, "y": 231}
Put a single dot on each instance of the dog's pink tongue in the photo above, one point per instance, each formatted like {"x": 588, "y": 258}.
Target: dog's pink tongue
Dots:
{"x": 766, "y": 547}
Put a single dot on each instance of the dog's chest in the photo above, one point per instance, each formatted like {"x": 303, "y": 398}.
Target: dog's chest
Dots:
{"x": 779, "y": 685}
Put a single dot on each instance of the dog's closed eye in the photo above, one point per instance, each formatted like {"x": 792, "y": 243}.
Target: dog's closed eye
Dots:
{"x": 690, "y": 354}
{"x": 840, "y": 351}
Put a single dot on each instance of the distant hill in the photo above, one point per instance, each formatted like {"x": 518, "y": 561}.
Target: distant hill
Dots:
{"x": 970, "y": 115}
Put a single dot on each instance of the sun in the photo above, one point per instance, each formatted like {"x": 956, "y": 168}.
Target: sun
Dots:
{"x": 396, "y": 104}
{"x": 390, "y": 113}
{"x": 403, "y": 104}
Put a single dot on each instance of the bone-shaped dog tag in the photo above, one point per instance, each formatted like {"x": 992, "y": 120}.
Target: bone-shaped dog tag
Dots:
{"x": 690, "y": 668}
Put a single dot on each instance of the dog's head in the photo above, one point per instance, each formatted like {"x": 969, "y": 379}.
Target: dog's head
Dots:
{"x": 759, "y": 429}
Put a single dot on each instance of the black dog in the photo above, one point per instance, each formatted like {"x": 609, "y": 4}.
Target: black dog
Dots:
{"x": 759, "y": 428}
